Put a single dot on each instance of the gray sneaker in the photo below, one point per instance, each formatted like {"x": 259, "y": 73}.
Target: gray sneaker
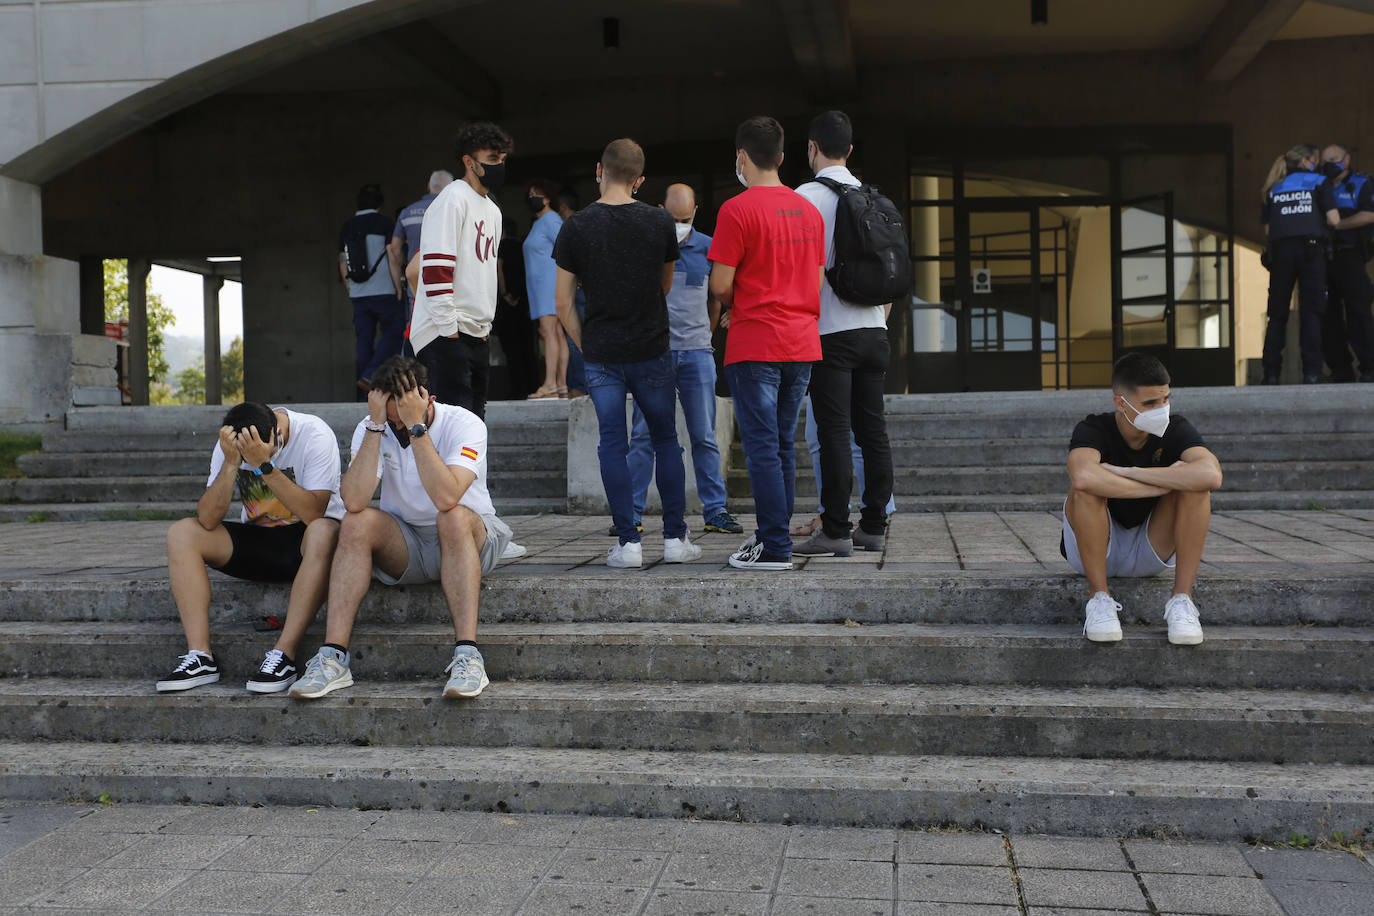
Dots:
{"x": 819, "y": 545}
{"x": 326, "y": 672}
{"x": 468, "y": 673}
{"x": 865, "y": 541}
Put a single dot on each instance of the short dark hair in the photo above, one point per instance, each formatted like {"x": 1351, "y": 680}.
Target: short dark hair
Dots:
{"x": 479, "y": 135}
{"x": 251, "y": 414}
{"x": 832, "y": 133}
{"x": 390, "y": 376}
{"x": 370, "y": 197}
{"x": 761, "y": 139}
{"x": 546, "y": 189}
{"x": 622, "y": 161}
{"x": 569, "y": 198}
{"x": 1138, "y": 370}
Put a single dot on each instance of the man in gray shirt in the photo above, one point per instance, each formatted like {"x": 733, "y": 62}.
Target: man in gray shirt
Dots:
{"x": 692, "y": 316}
{"x": 377, "y": 301}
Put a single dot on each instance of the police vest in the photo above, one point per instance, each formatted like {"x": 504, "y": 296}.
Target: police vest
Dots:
{"x": 1348, "y": 203}
{"x": 1294, "y": 209}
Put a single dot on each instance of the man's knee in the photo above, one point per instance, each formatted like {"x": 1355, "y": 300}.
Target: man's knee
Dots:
{"x": 321, "y": 536}
{"x": 1082, "y": 499}
{"x": 459, "y": 524}
{"x": 186, "y": 534}
{"x": 363, "y": 528}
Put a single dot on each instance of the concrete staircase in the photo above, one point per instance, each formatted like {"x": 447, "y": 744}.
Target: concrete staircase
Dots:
{"x": 1288, "y": 447}
{"x": 837, "y": 694}
{"x": 113, "y": 463}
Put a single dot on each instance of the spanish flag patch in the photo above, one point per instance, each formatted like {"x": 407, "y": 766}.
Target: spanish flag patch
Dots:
{"x": 469, "y": 453}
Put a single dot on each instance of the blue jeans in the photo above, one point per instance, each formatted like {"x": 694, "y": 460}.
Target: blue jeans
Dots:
{"x": 813, "y": 445}
{"x": 368, "y": 313}
{"x": 651, "y": 383}
{"x": 768, "y": 399}
{"x": 695, "y": 371}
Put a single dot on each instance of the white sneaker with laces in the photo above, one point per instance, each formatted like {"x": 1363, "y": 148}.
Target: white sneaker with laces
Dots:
{"x": 680, "y": 550}
{"x": 626, "y": 556}
{"x": 1181, "y": 615}
{"x": 513, "y": 551}
{"x": 1101, "y": 623}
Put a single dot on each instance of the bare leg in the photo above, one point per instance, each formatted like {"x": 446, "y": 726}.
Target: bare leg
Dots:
{"x": 564, "y": 353}
{"x": 310, "y": 585}
{"x": 551, "y": 332}
{"x": 1178, "y": 527}
{"x": 461, "y": 536}
{"x": 190, "y": 548}
{"x": 366, "y": 538}
{"x": 1087, "y": 515}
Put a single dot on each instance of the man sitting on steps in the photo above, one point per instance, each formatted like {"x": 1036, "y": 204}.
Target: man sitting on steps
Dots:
{"x": 1140, "y": 491}
{"x": 285, "y": 465}
{"x": 436, "y": 522}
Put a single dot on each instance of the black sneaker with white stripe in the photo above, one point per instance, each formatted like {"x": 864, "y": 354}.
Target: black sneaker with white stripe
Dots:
{"x": 276, "y": 673}
{"x": 194, "y": 669}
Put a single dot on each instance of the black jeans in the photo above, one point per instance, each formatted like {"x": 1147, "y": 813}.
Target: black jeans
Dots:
{"x": 1348, "y": 324}
{"x": 458, "y": 368}
{"x": 1301, "y": 261}
{"x": 847, "y": 393}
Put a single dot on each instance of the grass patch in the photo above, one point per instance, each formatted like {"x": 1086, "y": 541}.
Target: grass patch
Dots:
{"x": 142, "y": 515}
{"x": 36, "y": 517}
{"x": 12, "y": 445}
{"x": 1314, "y": 506}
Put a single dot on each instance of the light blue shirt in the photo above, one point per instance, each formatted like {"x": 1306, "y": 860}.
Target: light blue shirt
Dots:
{"x": 689, "y": 325}
{"x": 540, "y": 269}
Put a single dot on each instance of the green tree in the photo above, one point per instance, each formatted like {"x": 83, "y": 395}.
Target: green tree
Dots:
{"x": 231, "y": 372}
{"x": 160, "y": 316}
{"x": 190, "y": 387}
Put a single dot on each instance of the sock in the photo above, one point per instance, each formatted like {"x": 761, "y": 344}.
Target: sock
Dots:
{"x": 465, "y": 642}
{"x": 341, "y": 649}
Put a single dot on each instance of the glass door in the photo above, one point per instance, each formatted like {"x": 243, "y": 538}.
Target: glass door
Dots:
{"x": 1012, "y": 304}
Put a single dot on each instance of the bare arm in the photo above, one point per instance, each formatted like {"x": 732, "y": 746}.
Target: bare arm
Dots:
{"x": 712, "y": 312}
{"x": 393, "y": 262}
{"x": 445, "y": 484}
{"x": 723, "y": 284}
{"x": 214, "y": 502}
{"x": 1356, "y": 220}
{"x": 1333, "y": 217}
{"x": 668, "y": 276}
{"x": 1197, "y": 470}
{"x": 343, "y": 271}
{"x": 1087, "y": 473}
{"x": 360, "y": 480}
{"x": 413, "y": 272}
{"x": 564, "y": 299}
{"x": 306, "y": 505}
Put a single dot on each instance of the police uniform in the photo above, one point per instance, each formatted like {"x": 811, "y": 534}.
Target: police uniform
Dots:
{"x": 1348, "y": 324}
{"x": 1295, "y": 212}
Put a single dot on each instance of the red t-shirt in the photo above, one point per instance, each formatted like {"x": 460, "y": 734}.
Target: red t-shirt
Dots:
{"x": 775, "y": 240}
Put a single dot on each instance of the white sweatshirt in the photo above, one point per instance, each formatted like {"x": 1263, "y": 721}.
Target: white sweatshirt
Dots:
{"x": 458, "y": 242}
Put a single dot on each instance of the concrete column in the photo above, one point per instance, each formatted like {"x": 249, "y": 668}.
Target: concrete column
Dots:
{"x": 210, "y": 288}
{"x": 138, "y": 329}
{"x": 925, "y": 240}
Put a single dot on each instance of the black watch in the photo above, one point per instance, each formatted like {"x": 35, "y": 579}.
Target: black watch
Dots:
{"x": 267, "y": 467}
{"x": 418, "y": 430}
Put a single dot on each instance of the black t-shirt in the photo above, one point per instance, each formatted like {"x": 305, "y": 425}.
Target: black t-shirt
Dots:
{"x": 513, "y": 267}
{"x": 618, "y": 252}
{"x": 1100, "y": 431}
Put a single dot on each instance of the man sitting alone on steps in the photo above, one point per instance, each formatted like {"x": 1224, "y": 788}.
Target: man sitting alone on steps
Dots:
{"x": 436, "y": 522}
{"x": 1140, "y": 491}
{"x": 286, "y": 467}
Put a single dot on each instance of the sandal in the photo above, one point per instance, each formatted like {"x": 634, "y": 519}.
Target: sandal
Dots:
{"x": 542, "y": 393}
{"x": 559, "y": 393}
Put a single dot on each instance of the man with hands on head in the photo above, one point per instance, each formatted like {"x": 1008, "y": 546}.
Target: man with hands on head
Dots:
{"x": 1140, "y": 499}
{"x": 285, "y": 467}
{"x": 436, "y": 522}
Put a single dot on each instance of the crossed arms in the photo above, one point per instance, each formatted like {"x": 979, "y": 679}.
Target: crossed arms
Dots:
{"x": 1196, "y": 471}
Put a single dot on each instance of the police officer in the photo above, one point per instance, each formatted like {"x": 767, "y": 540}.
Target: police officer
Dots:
{"x": 1348, "y": 324}
{"x": 1299, "y": 206}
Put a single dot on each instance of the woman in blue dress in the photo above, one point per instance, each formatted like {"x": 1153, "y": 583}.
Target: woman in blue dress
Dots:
{"x": 540, "y": 271}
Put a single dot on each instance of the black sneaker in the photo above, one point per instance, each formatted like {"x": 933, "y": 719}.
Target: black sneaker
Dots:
{"x": 276, "y": 673}
{"x": 725, "y": 523}
{"x": 194, "y": 669}
{"x": 751, "y": 555}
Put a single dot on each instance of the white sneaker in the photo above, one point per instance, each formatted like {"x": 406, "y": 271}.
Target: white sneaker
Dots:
{"x": 1181, "y": 615}
{"x": 1101, "y": 624}
{"x": 680, "y": 550}
{"x": 626, "y": 556}
{"x": 513, "y": 551}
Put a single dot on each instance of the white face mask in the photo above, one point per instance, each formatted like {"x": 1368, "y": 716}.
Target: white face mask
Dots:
{"x": 740, "y": 175}
{"x": 683, "y": 230}
{"x": 1155, "y": 422}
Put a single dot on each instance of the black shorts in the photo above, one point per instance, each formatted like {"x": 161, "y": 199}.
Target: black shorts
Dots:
{"x": 263, "y": 553}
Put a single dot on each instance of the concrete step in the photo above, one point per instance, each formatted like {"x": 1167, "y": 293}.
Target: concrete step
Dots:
{"x": 1253, "y": 476}
{"x": 338, "y": 414}
{"x": 1033, "y": 423}
{"x": 167, "y": 511}
{"x": 1222, "y": 801}
{"x": 1010, "y": 654}
{"x": 1054, "y": 502}
{"x": 1294, "y": 398}
{"x": 1187, "y": 724}
{"x": 545, "y": 485}
{"x": 1249, "y": 595}
{"x": 130, "y": 463}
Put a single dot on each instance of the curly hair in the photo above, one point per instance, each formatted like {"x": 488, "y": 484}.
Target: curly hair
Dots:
{"x": 480, "y": 135}
{"x": 391, "y": 376}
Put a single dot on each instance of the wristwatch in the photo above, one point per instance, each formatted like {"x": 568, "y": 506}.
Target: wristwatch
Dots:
{"x": 418, "y": 430}
{"x": 267, "y": 467}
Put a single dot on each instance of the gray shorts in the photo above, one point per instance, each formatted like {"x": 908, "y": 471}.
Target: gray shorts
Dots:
{"x": 422, "y": 545}
{"x": 1130, "y": 554}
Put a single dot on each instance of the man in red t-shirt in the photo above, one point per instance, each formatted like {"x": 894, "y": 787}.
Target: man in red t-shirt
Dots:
{"x": 768, "y": 257}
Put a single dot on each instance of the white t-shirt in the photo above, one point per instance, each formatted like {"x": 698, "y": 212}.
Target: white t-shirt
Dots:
{"x": 836, "y": 314}
{"x": 460, "y": 438}
{"x": 458, "y": 246}
{"x": 310, "y": 457}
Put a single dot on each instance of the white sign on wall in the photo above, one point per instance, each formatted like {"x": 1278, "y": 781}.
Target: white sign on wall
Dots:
{"x": 982, "y": 280}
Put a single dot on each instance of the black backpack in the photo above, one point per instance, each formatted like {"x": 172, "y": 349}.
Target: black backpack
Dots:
{"x": 872, "y": 252}
{"x": 355, "y": 251}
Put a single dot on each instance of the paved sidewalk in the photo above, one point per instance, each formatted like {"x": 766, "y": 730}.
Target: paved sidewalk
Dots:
{"x": 126, "y": 858}
{"x": 1014, "y": 543}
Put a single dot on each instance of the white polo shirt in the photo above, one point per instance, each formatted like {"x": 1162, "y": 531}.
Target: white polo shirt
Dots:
{"x": 836, "y": 314}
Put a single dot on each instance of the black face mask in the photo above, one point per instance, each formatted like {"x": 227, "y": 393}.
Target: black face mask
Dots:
{"x": 536, "y": 204}
{"x": 1332, "y": 170}
{"x": 493, "y": 175}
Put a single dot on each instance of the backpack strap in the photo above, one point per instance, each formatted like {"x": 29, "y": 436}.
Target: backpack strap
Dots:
{"x": 833, "y": 185}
